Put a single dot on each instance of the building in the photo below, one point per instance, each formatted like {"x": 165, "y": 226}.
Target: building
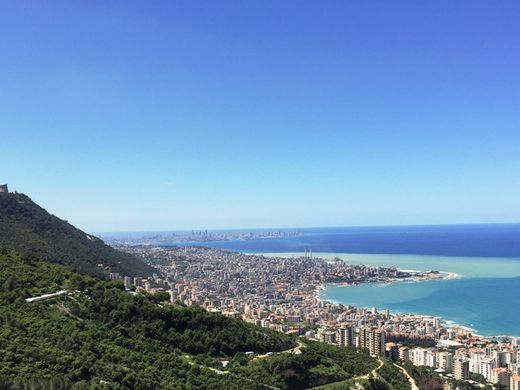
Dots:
{"x": 445, "y": 361}
{"x": 461, "y": 368}
{"x": 392, "y": 351}
{"x": 326, "y": 336}
{"x": 128, "y": 282}
{"x": 3, "y": 188}
{"x": 431, "y": 359}
{"x": 346, "y": 336}
{"x": 514, "y": 383}
{"x": 373, "y": 340}
{"x": 486, "y": 368}
{"x": 404, "y": 354}
{"x": 418, "y": 356}
{"x": 362, "y": 338}
{"x": 501, "y": 376}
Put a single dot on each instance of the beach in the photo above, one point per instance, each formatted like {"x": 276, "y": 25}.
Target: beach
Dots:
{"x": 474, "y": 293}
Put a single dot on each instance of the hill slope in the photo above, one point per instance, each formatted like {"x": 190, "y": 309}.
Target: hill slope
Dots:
{"x": 30, "y": 229}
{"x": 97, "y": 333}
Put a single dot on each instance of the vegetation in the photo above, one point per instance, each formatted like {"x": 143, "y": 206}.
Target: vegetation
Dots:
{"x": 315, "y": 364}
{"x": 394, "y": 378}
{"x": 386, "y": 376}
{"x": 425, "y": 377}
{"x": 99, "y": 335}
{"x": 29, "y": 229}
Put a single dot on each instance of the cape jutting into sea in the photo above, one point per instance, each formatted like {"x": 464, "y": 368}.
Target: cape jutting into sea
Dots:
{"x": 486, "y": 258}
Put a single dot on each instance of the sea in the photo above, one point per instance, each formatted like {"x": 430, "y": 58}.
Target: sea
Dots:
{"x": 483, "y": 292}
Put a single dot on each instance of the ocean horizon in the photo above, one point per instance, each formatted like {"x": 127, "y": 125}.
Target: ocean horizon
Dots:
{"x": 475, "y": 240}
{"x": 485, "y": 257}
{"x": 482, "y": 296}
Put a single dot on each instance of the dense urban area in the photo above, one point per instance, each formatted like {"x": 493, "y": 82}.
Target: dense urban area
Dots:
{"x": 195, "y": 236}
{"x": 283, "y": 294}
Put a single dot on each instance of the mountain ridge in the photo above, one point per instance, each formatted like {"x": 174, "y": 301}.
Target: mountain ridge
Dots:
{"x": 29, "y": 229}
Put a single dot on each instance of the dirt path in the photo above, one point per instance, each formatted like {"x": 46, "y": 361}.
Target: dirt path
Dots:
{"x": 295, "y": 350}
{"x": 410, "y": 379}
{"x": 373, "y": 372}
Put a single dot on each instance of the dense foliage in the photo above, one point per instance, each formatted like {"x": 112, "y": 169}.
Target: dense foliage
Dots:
{"x": 425, "y": 377}
{"x": 99, "y": 335}
{"x": 29, "y": 229}
{"x": 393, "y": 377}
{"x": 316, "y": 364}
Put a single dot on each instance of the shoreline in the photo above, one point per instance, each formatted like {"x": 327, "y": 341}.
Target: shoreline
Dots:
{"x": 444, "y": 275}
{"x": 450, "y": 324}
{"x": 447, "y": 275}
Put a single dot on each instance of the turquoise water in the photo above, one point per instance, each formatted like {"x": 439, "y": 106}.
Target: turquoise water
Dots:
{"x": 485, "y": 294}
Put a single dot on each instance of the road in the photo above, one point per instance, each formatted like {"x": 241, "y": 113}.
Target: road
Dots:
{"x": 410, "y": 379}
{"x": 373, "y": 372}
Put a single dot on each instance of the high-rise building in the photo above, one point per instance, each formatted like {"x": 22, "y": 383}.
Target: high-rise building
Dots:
{"x": 486, "y": 368}
{"x": 514, "y": 368}
{"x": 436, "y": 322}
{"x": 326, "y": 336}
{"x": 514, "y": 383}
{"x": 363, "y": 341}
{"x": 445, "y": 361}
{"x": 460, "y": 368}
{"x": 418, "y": 356}
{"x": 346, "y": 336}
{"x": 392, "y": 351}
{"x": 373, "y": 340}
{"x": 501, "y": 376}
{"x": 431, "y": 359}
{"x": 404, "y": 354}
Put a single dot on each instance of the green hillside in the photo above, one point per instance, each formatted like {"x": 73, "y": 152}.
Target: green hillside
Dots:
{"x": 93, "y": 334}
{"x": 97, "y": 335}
{"x": 30, "y": 229}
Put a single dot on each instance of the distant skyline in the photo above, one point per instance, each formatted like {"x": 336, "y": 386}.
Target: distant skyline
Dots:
{"x": 171, "y": 115}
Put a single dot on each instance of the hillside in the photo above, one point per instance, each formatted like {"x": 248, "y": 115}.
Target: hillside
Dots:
{"x": 97, "y": 335}
{"x": 30, "y": 229}
{"x": 91, "y": 333}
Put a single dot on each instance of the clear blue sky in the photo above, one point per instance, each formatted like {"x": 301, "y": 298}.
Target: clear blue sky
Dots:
{"x": 153, "y": 115}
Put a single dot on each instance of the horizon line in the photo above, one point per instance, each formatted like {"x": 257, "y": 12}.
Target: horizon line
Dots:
{"x": 310, "y": 227}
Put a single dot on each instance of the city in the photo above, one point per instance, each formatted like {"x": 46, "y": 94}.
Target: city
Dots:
{"x": 283, "y": 294}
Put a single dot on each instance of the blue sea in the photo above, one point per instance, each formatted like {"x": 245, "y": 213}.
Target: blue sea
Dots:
{"x": 484, "y": 295}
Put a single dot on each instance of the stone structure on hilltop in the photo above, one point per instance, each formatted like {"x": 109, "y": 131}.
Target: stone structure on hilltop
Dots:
{"x": 3, "y": 188}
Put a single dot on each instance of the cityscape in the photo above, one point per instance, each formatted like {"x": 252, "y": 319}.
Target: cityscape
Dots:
{"x": 260, "y": 195}
{"x": 283, "y": 294}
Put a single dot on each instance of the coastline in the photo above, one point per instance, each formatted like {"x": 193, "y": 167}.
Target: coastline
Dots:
{"x": 466, "y": 272}
{"x": 449, "y": 324}
{"x": 411, "y": 279}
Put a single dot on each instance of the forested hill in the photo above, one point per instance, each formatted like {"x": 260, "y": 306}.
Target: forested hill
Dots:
{"x": 30, "y": 229}
{"x": 93, "y": 334}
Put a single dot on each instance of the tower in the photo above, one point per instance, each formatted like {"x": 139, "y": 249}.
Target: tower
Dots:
{"x": 346, "y": 336}
{"x": 460, "y": 368}
{"x": 3, "y": 188}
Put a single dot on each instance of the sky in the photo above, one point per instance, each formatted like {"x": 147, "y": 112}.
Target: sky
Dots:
{"x": 138, "y": 115}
